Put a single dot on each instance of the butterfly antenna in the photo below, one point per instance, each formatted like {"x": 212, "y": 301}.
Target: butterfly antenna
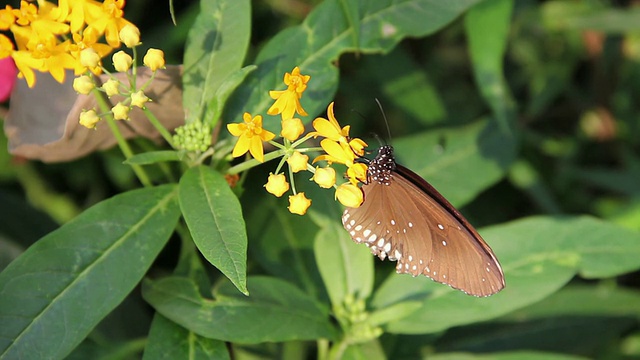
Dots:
{"x": 384, "y": 116}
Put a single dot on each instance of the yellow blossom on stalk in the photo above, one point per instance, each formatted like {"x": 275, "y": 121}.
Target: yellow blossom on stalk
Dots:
{"x": 340, "y": 153}
{"x": 83, "y": 84}
{"x": 6, "y": 17}
{"x": 89, "y": 119}
{"x": 330, "y": 128}
{"x": 298, "y": 204}
{"x": 6, "y": 46}
{"x": 88, "y": 39}
{"x": 350, "y": 195}
{"x": 292, "y": 129}
{"x": 120, "y": 111}
{"x": 251, "y": 135}
{"x": 130, "y": 35}
{"x": 139, "y": 99}
{"x": 54, "y": 56}
{"x": 122, "y": 61}
{"x": 154, "y": 59}
{"x": 357, "y": 173}
{"x": 277, "y": 184}
{"x": 288, "y": 101}
{"x": 111, "y": 87}
{"x": 298, "y": 161}
{"x": 325, "y": 177}
{"x": 107, "y": 18}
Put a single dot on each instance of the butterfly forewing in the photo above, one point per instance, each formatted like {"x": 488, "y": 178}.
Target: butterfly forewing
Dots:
{"x": 409, "y": 222}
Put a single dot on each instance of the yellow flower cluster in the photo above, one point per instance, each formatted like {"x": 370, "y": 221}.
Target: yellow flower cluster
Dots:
{"x": 338, "y": 147}
{"x": 50, "y": 38}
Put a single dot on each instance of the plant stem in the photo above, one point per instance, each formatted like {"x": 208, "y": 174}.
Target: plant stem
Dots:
{"x": 253, "y": 162}
{"x": 122, "y": 143}
{"x": 158, "y": 125}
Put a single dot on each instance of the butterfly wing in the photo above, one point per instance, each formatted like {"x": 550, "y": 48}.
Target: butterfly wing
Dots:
{"x": 408, "y": 222}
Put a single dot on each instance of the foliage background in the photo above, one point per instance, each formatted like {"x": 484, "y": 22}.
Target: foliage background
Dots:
{"x": 523, "y": 114}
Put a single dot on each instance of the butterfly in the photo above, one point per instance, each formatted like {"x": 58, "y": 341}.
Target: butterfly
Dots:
{"x": 405, "y": 219}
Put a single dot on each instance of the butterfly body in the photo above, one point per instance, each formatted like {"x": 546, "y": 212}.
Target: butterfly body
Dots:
{"x": 405, "y": 219}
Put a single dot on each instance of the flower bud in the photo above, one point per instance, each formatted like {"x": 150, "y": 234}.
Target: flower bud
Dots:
{"x": 277, "y": 184}
{"x": 298, "y": 161}
{"x": 154, "y": 59}
{"x": 298, "y": 204}
{"x": 139, "y": 99}
{"x": 89, "y": 58}
{"x": 349, "y": 195}
{"x": 325, "y": 177}
{"x": 130, "y": 35}
{"x": 111, "y": 87}
{"x": 89, "y": 119}
{"x": 120, "y": 111}
{"x": 122, "y": 61}
{"x": 292, "y": 129}
{"x": 83, "y": 84}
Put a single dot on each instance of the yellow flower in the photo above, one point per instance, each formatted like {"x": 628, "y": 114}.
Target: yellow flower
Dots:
{"x": 122, "y": 61}
{"x": 277, "y": 184}
{"x": 130, "y": 35}
{"x": 325, "y": 177}
{"x": 88, "y": 39}
{"x": 298, "y": 204}
{"x": 357, "y": 173}
{"x": 349, "y": 195}
{"x": 251, "y": 135}
{"x": 298, "y": 161}
{"x": 107, "y": 18}
{"x": 139, "y": 99}
{"x": 6, "y": 18}
{"x": 330, "y": 128}
{"x": 154, "y": 59}
{"x": 292, "y": 129}
{"x": 6, "y": 46}
{"x": 89, "y": 119}
{"x": 120, "y": 111}
{"x": 288, "y": 101}
{"x": 89, "y": 58}
{"x": 83, "y": 84}
{"x": 54, "y": 56}
{"x": 339, "y": 153}
{"x": 111, "y": 87}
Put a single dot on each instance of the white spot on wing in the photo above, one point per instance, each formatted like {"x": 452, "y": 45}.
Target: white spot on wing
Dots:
{"x": 444, "y": 243}
{"x": 366, "y": 233}
{"x": 359, "y": 227}
{"x": 440, "y": 227}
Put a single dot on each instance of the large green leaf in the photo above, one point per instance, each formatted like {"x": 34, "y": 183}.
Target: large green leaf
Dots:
{"x": 346, "y": 267}
{"x": 214, "y": 217}
{"x": 324, "y": 35}
{"x": 459, "y": 162}
{"x": 168, "y": 340}
{"x": 275, "y": 311}
{"x": 487, "y": 25}
{"x": 61, "y": 287}
{"x": 216, "y": 47}
{"x": 539, "y": 255}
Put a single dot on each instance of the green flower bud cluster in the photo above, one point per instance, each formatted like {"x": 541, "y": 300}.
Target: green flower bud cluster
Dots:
{"x": 193, "y": 137}
{"x": 354, "y": 315}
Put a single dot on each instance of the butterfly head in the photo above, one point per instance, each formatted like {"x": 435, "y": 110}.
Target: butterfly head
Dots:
{"x": 381, "y": 167}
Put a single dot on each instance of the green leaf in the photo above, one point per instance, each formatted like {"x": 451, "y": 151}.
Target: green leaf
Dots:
{"x": 55, "y": 293}
{"x": 459, "y": 162}
{"x": 507, "y": 355}
{"x": 346, "y": 267}
{"x": 153, "y": 157}
{"x": 318, "y": 42}
{"x": 216, "y": 48}
{"x": 539, "y": 255}
{"x": 168, "y": 340}
{"x": 275, "y": 311}
{"x": 225, "y": 90}
{"x": 214, "y": 217}
{"x": 487, "y": 27}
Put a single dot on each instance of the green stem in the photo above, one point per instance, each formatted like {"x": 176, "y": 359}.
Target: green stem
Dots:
{"x": 122, "y": 143}
{"x": 253, "y": 162}
{"x": 158, "y": 125}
